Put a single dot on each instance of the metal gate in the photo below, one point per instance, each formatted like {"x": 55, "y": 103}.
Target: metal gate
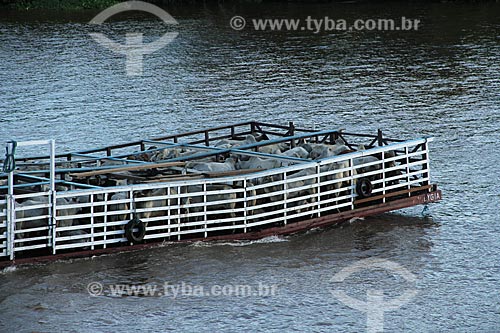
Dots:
{"x": 27, "y": 220}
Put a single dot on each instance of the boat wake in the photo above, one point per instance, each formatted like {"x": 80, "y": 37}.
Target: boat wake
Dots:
{"x": 265, "y": 240}
{"x": 8, "y": 269}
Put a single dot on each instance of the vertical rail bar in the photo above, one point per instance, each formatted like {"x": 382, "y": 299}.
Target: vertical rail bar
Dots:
{"x": 383, "y": 175}
{"x": 407, "y": 159}
{"x": 427, "y": 165}
{"x": 52, "y": 166}
{"x": 207, "y": 139}
{"x": 11, "y": 211}
{"x": 180, "y": 214}
{"x": 380, "y": 138}
{"x": 291, "y": 132}
{"x": 318, "y": 184}
{"x": 169, "y": 192}
{"x": 245, "y": 208}
{"x": 105, "y": 219}
{"x": 92, "y": 240}
{"x": 11, "y": 225}
{"x": 205, "y": 217}
{"x": 132, "y": 204}
{"x": 53, "y": 196}
{"x": 351, "y": 175}
{"x": 285, "y": 197}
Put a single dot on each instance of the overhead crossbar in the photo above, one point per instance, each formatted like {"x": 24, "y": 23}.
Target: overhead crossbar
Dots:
{"x": 218, "y": 150}
{"x": 111, "y": 158}
{"x": 44, "y": 181}
{"x": 253, "y": 145}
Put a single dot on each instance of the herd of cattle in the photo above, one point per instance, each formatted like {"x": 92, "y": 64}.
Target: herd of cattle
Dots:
{"x": 193, "y": 202}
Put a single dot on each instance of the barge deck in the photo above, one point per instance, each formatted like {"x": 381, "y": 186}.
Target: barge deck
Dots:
{"x": 241, "y": 181}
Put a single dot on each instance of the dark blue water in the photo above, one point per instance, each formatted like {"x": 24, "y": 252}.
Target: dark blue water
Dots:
{"x": 440, "y": 81}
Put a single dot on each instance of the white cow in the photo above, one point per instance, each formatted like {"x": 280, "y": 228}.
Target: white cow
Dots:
{"x": 152, "y": 208}
{"x": 276, "y": 148}
{"x": 32, "y": 214}
{"x": 228, "y": 165}
{"x": 228, "y": 143}
{"x": 260, "y": 163}
{"x": 158, "y": 205}
{"x": 340, "y": 165}
{"x": 229, "y": 199}
{"x": 309, "y": 183}
{"x": 298, "y": 152}
{"x": 324, "y": 151}
{"x": 170, "y": 153}
{"x": 124, "y": 206}
{"x": 360, "y": 161}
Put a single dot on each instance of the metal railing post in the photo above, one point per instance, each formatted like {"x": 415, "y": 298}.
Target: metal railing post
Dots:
{"x": 285, "y": 197}
{"x": 52, "y": 195}
{"x": 92, "y": 222}
{"x": 245, "y": 205}
{"x": 169, "y": 211}
{"x": 205, "y": 217}
{"x": 318, "y": 185}
{"x": 11, "y": 225}
{"x": 181, "y": 215}
{"x": 383, "y": 176}
{"x": 353, "y": 186}
{"x": 11, "y": 212}
{"x": 427, "y": 164}
{"x": 407, "y": 159}
{"x": 105, "y": 228}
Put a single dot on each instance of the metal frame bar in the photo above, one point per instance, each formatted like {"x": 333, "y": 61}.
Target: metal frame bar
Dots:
{"x": 11, "y": 207}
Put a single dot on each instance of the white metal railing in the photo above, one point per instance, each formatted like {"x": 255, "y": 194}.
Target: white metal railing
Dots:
{"x": 22, "y": 232}
{"x": 95, "y": 218}
{"x": 3, "y": 228}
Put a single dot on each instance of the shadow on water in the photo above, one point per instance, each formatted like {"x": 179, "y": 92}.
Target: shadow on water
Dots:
{"x": 383, "y": 235}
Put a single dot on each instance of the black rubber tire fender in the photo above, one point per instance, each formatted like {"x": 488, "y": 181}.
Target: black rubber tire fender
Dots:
{"x": 364, "y": 187}
{"x": 138, "y": 236}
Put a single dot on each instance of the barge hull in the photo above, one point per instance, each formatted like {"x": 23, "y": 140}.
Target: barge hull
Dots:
{"x": 319, "y": 222}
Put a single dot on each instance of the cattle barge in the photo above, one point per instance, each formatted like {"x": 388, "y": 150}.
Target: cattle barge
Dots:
{"x": 243, "y": 181}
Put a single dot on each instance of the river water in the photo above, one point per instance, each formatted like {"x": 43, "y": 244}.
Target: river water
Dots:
{"x": 442, "y": 80}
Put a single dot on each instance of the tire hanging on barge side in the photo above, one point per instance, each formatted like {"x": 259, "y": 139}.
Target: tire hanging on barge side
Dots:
{"x": 135, "y": 237}
{"x": 364, "y": 187}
